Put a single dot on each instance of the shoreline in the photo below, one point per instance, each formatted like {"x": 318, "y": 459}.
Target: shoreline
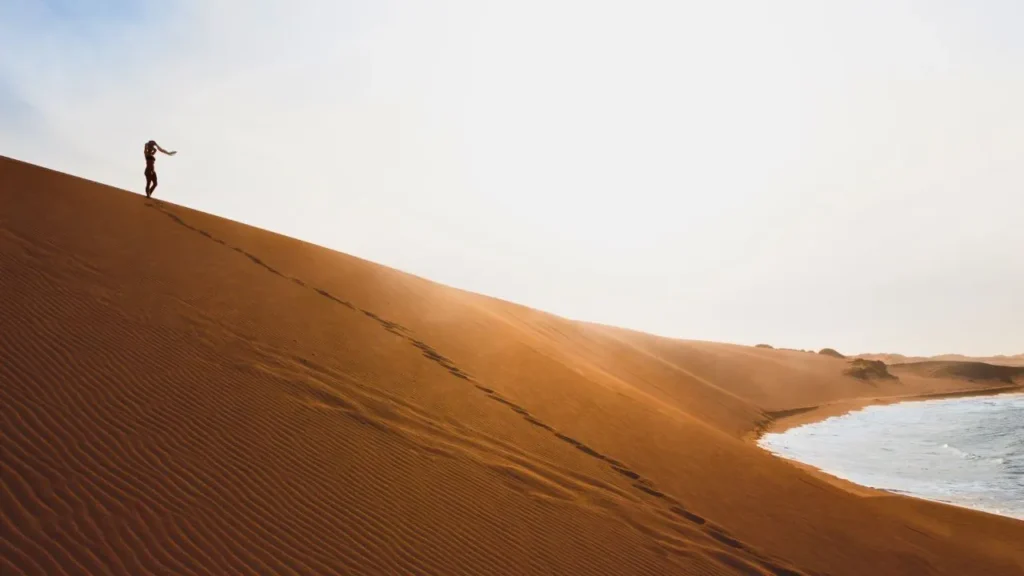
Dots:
{"x": 782, "y": 420}
{"x": 794, "y": 418}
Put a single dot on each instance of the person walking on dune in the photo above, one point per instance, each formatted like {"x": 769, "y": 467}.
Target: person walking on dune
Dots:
{"x": 149, "y": 150}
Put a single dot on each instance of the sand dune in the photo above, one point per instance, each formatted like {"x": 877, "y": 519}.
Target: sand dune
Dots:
{"x": 1004, "y": 360}
{"x": 970, "y": 371}
{"x": 185, "y": 394}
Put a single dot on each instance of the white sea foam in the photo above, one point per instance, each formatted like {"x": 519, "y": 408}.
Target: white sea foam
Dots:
{"x": 963, "y": 451}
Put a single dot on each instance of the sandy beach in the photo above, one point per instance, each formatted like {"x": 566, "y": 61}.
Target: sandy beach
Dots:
{"x": 185, "y": 394}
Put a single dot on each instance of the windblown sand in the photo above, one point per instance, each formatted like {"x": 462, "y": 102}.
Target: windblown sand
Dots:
{"x": 183, "y": 394}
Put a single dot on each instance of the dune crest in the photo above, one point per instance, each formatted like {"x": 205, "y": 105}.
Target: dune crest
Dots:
{"x": 185, "y": 394}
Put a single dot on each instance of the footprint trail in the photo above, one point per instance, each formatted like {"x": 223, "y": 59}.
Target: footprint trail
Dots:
{"x": 638, "y": 482}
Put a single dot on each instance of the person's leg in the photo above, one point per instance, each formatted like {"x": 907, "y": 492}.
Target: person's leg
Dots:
{"x": 150, "y": 183}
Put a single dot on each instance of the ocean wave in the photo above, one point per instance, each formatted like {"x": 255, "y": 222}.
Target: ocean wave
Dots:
{"x": 963, "y": 451}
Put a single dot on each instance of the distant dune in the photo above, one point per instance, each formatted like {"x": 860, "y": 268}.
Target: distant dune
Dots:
{"x": 183, "y": 394}
{"x": 868, "y": 369}
{"x": 1014, "y": 360}
{"x": 970, "y": 371}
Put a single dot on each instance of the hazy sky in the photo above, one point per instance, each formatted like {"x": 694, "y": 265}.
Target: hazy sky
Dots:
{"x": 806, "y": 174}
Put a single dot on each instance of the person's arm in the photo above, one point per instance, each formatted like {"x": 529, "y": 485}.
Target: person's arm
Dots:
{"x": 172, "y": 153}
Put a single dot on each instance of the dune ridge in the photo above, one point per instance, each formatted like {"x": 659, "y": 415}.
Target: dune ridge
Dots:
{"x": 186, "y": 394}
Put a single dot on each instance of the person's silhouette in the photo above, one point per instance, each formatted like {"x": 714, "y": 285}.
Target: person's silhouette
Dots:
{"x": 149, "y": 150}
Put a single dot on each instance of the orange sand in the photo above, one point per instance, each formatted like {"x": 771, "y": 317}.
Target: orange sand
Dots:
{"x": 184, "y": 394}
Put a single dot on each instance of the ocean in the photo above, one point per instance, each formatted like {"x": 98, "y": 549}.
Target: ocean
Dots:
{"x": 963, "y": 451}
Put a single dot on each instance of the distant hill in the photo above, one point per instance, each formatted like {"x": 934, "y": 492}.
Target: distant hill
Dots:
{"x": 971, "y": 371}
{"x": 1001, "y": 360}
{"x": 868, "y": 369}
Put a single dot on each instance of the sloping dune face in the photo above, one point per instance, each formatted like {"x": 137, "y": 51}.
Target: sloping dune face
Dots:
{"x": 184, "y": 394}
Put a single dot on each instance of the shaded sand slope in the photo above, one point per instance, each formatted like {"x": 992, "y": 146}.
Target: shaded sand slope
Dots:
{"x": 185, "y": 394}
